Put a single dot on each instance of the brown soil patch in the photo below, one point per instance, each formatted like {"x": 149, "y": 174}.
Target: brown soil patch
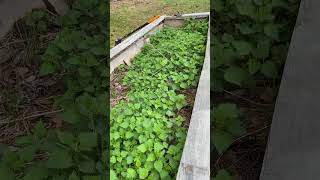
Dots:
{"x": 117, "y": 90}
{"x": 25, "y": 97}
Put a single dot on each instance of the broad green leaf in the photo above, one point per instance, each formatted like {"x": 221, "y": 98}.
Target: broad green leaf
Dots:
{"x": 254, "y": 66}
{"x": 245, "y": 28}
{"x": 227, "y": 38}
{"x": 59, "y": 159}
{"x": 131, "y": 173}
{"x": 269, "y": 69}
{"x": 39, "y": 130}
{"x": 142, "y": 148}
{"x": 98, "y": 51}
{"x": 223, "y": 175}
{"x": 87, "y": 166}
{"x": 5, "y": 172}
{"x": 224, "y": 111}
{"x": 151, "y": 157}
{"x": 125, "y": 124}
{"x": 27, "y": 153}
{"x": 272, "y": 31}
{"x": 262, "y": 51}
{"x": 246, "y": 8}
{"x": 158, "y": 165}
{"x": 143, "y": 173}
{"x": 75, "y": 60}
{"x": 129, "y": 159}
{"x": 164, "y": 174}
{"x": 222, "y": 140}
{"x": 85, "y": 72}
{"x": 12, "y": 160}
{"x": 129, "y": 134}
{"x": 71, "y": 115}
{"x": 91, "y": 60}
{"x": 158, "y": 147}
{"x": 113, "y": 175}
{"x": 235, "y": 75}
{"x": 24, "y": 140}
{"x": 86, "y": 104}
{"x": 74, "y": 176}
{"x": 87, "y": 140}
{"x": 36, "y": 172}
{"x": 47, "y": 68}
{"x": 242, "y": 47}
{"x": 219, "y": 5}
{"x": 65, "y": 137}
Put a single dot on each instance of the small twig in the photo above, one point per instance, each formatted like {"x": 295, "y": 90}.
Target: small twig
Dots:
{"x": 236, "y": 140}
{"x": 246, "y": 99}
{"x": 33, "y": 116}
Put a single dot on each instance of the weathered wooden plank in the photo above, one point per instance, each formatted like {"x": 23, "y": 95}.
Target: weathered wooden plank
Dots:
{"x": 195, "y": 161}
{"x": 133, "y": 38}
{"x": 293, "y": 151}
{"x": 131, "y": 51}
{"x": 197, "y": 15}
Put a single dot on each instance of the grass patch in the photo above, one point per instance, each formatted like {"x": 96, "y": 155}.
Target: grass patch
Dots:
{"x": 128, "y": 15}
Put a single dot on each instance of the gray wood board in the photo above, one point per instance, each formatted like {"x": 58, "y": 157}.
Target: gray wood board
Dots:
{"x": 293, "y": 151}
{"x": 195, "y": 161}
{"x": 133, "y": 38}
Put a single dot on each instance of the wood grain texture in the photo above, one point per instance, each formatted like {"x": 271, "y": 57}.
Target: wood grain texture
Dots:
{"x": 195, "y": 161}
{"x": 293, "y": 151}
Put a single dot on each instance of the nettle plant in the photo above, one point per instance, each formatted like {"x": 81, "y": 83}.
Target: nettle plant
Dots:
{"x": 250, "y": 43}
{"x": 76, "y": 151}
{"x": 147, "y": 133}
{"x": 227, "y": 125}
{"x": 251, "y": 40}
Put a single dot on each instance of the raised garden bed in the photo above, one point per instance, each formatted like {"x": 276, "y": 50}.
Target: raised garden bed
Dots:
{"x": 159, "y": 89}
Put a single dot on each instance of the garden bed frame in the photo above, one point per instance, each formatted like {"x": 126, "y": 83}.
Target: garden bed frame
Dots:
{"x": 195, "y": 160}
{"x": 293, "y": 150}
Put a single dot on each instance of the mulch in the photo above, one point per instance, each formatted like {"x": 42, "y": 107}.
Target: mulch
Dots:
{"x": 25, "y": 97}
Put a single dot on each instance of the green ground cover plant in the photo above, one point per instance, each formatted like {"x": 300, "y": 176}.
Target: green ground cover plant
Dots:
{"x": 147, "y": 131}
{"x": 250, "y": 44}
{"x": 77, "y": 150}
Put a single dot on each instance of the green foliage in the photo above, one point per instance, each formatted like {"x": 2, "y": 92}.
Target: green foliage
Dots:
{"x": 76, "y": 151}
{"x": 39, "y": 20}
{"x": 250, "y": 42}
{"x": 227, "y": 125}
{"x": 246, "y": 47}
{"x": 223, "y": 175}
{"x": 147, "y": 135}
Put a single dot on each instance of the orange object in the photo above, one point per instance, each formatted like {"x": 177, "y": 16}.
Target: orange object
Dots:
{"x": 153, "y": 19}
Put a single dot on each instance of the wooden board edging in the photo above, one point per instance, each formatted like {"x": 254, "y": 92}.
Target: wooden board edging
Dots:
{"x": 195, "y": 161}
{"x": 293, "y": 150}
